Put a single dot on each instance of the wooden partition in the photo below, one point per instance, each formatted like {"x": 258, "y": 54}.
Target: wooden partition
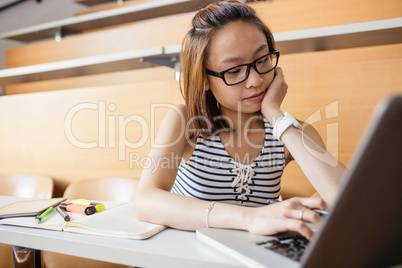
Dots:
{"x": 84, "y": 133}
{"x": 111, "y": 5}
{"x": 84, "y": 127}
{"x": 116, "y": 78}
{"x": 280, "y": 15}
{"x": 291, "y": 15}
{"x": 163, "y": 31}
{"x": 337, "y": 91}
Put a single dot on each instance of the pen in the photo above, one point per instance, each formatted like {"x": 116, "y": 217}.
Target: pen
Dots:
{"x": 64, "y": 215}
{"x": 319, "y": 211}
{"x": 43, "y": 215}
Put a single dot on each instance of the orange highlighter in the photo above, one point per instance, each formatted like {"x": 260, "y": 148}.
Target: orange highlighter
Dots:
{"x": 80, "y": 209}
{"x": 99, "y": 207}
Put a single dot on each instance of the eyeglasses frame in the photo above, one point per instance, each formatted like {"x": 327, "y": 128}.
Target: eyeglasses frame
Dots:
{"x": 249, "y": 65}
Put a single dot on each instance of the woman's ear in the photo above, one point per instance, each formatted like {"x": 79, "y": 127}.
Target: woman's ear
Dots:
{"x": 206, "y": 86}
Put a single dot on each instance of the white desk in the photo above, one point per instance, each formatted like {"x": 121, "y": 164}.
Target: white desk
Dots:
{"x": 170, "y": 248}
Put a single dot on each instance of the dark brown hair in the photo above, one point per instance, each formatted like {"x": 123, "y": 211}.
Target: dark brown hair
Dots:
{"x": 201, "y": 104}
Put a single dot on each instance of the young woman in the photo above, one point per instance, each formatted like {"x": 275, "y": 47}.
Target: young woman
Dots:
{"x": 224, "y": 151}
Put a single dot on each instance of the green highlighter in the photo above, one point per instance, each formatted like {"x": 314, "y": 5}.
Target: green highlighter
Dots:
{"x": 42, "y": 216}
{"x": 99, "y": 207}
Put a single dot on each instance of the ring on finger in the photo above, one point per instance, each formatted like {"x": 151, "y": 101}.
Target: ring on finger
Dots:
{"x": 301, "y": 214}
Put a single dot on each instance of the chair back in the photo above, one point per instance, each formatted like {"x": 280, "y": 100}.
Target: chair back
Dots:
{"x": 105, "y": 189}
{"x": 27, "y": 185}
{"x": 101, "y": 189}
{"x": 22, "y": 185}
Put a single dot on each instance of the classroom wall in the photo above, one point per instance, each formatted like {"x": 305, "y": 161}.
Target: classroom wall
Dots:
{"x": 28, "y": 13}
{"x": 84, "y": 133}
{"x": 342, "y": 86}
{"x": 280, "y": 15}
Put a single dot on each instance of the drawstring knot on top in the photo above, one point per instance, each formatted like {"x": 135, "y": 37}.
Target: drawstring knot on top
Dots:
{"x": 243, "y": 179}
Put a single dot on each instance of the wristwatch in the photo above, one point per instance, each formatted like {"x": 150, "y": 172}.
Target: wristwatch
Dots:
{"x": 283, "y": 124}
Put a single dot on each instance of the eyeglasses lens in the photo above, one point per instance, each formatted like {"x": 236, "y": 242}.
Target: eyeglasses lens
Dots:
{"x": 240, "y": 73}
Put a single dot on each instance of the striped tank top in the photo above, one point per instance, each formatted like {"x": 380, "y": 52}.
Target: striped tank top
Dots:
{"x": 212, "y": 175}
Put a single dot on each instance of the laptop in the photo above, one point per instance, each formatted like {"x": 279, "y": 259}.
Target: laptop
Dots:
{"x": 364, "y": 225}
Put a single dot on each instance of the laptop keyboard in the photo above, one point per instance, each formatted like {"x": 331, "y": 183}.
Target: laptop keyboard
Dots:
{"x": 290, "y": 246}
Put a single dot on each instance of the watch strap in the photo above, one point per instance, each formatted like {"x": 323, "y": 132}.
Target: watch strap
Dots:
{"x": 283, "y": 124}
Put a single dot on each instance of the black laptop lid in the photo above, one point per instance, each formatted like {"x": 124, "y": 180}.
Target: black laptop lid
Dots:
{"x": 364, "y": 226}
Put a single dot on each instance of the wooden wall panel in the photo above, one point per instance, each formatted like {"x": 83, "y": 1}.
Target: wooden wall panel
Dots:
{"x": 53, "y": 132}
{"x": 33, "y": 139}
{"x": 342, "y": 86}
{"x": 116, "y": 78}
{"x": 308, "y": 13}
{"x": 164, "y": 31}
{"x": 108, "y": 6}
{"x": 291, "y": 15}
{"x": 281, "y": 15}
{"x": 348, "y": 83}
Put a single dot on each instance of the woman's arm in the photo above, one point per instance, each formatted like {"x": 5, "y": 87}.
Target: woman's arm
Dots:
{"x": 305, "y": 146}
{"x": 155, "y": 203}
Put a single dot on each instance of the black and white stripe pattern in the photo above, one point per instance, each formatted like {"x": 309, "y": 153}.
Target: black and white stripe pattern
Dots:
{"x": 210, "y": 172}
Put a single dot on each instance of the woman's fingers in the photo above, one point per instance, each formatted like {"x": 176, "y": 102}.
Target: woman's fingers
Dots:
{"x": 310, "y": 216}
{"x": 312, "y": 202}
{"x": 302, "y": 209}
{"x": 304, "y": 214}
{"x": 277, "y": 89}
{"x": 300, "y": 227}
{"x": 294, "y": 214}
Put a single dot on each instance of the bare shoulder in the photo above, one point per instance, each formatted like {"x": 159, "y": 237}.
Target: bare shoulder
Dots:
{"x": 173, "y": 132}
{"x": 176, "y": 114}
{"x": 173, "y": 126}
{"x": 167, "y": 150}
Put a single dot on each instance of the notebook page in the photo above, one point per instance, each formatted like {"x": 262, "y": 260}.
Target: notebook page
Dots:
{"x": 54, "y": 221}
{"x": 117, "y": 222}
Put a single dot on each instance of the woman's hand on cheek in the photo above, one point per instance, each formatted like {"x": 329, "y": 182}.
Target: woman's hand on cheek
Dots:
{"x": 274, "y": 95}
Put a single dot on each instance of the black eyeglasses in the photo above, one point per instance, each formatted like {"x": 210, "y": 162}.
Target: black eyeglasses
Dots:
{"x": 240, "y": 73}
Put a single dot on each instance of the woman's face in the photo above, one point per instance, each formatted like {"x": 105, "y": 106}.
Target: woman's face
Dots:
{"x": 238, "y": 43}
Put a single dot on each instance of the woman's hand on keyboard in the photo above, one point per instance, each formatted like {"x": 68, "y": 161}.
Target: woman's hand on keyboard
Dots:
{"x": 294, "y": 214}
